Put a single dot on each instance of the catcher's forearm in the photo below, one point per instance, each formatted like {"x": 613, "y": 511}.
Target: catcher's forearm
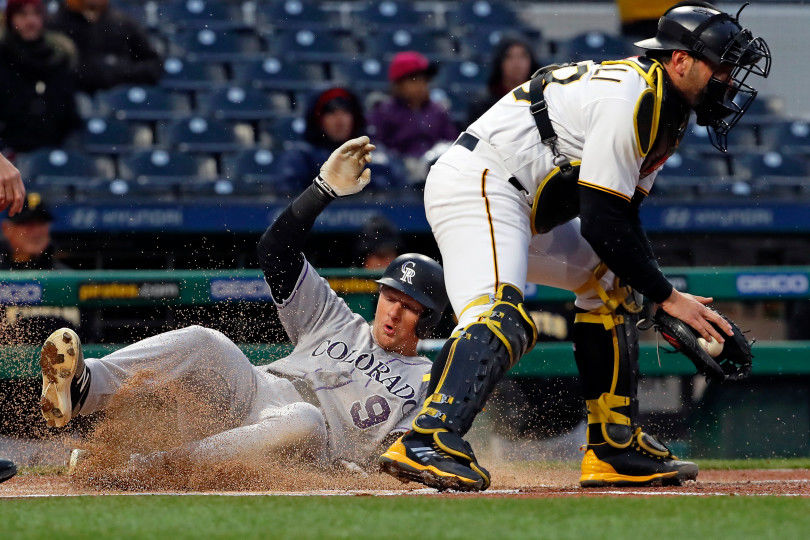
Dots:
{"x": 608, "y": 227}
{"x": 279, "y": 249}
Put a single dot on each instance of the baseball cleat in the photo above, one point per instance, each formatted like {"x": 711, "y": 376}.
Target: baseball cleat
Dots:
{"x": 7, "y": 470}
{"x": 62, "y": 361}
{"x": 424, "y": 459}
{"x": 646, "y": 462}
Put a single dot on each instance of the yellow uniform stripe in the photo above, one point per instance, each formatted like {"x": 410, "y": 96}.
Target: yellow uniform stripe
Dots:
{"x": 603, "y": 188}
{"x": 491, "y": 228}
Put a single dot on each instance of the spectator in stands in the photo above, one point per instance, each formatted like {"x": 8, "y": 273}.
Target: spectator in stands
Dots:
{"x": 37, "y": 87}
{"x": 513, "y": 63}
{"x": 409, "y": 122}
{"x": 26, "y": 241}
{"x": 379, "y": 244}
{"x": 113, "y": 48}
{"x": 333, "y": 117}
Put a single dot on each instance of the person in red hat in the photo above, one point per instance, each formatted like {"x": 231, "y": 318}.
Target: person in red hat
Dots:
{"x": 37, "y": 106}
{"x": 409, "y": 122}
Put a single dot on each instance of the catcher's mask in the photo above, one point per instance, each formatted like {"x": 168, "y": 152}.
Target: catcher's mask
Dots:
{"x": 717, "y": 38}
{"x": 421, "y": 278}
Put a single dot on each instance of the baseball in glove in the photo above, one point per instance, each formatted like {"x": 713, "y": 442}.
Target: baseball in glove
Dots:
{"x": 731, "y": 364}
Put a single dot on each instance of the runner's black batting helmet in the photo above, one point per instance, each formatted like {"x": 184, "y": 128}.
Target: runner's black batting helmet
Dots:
{"x": 421, "y": 278}
{"x": 716, "y": 37}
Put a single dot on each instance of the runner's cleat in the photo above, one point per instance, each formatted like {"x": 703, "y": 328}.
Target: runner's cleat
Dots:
{"x": 65, "y": 380}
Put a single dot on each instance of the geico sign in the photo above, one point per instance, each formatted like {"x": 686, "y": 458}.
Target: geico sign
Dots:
{"x": 772, "y": 283}
{"x": 20, "y": 293}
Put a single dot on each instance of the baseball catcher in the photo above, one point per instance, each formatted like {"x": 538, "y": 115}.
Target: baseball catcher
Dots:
{"x": 348, "y": 386}
{"x": 545, "y": 187}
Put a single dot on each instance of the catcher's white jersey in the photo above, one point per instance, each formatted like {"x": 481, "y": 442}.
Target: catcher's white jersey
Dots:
{"x": 482, "y": 223}
{"x": 592, "y": 110}
{"x": 365, "y": 392}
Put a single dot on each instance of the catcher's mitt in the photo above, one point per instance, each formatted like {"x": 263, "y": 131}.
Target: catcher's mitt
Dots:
{"x": 732, "y": 364}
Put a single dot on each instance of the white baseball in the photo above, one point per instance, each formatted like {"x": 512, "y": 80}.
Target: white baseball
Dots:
{"x": 712, "y": 347}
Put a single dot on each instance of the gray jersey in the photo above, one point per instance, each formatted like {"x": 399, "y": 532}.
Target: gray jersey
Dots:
{"x": 365, "y": 392}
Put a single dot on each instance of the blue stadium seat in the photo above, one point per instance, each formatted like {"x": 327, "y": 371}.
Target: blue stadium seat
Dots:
{"x": 482, "y": 14}
{"x": 290, "y": 14}
{"x": 238, "y": 103}
{"x": 596, "y": 46}
{"x": 58, "y": 163}
{"x": 480, "y": 43}
{"x": 742, "y": 138}
{"x": 203, "y": 135}
{"x": 458, "y": 104}
{"x": 391, "y": 14}
{"x": 113, "y": 136}
{"x": 181, "y": 74}
{"x": 787, "y": 136}
{"x": 362, "y": 75}
{"x": 143, "y": 103}
{"x": 687, "y": 176}
{"x": 461, "y": 75}
{"x": 431, "y": 43}
{"x": 218, "y": 45}
{"x": 774, "y": 173}
{"x": 254, "y": 170}
{"x": 167, "y": 167}
{"x": 278, "y": 74}
{"x": 284, "y": 130}
{"x": 314, "y": 45}
{"x": 212, "y": 14}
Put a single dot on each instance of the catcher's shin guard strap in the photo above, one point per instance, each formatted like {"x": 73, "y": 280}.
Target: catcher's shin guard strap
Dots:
{"x": 473, "y": 361}
{"x": 614, "y": 427}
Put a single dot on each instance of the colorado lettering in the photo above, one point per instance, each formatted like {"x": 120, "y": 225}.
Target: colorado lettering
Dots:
{"x": 366, "y": 363}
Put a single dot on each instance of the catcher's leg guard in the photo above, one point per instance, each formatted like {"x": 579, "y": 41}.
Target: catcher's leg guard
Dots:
{"x": 618, "y": 452}
{"x": 464, "y": 374}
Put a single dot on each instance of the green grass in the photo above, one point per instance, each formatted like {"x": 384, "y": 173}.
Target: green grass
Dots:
{"x": 769, "y": 463}
{"x": 409, "y": 517}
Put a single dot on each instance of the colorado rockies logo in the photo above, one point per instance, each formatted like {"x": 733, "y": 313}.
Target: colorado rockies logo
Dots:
{"x": 408, "y": 272}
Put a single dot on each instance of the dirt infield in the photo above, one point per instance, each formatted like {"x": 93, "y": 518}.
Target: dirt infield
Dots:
{"x": 532, "y": 482}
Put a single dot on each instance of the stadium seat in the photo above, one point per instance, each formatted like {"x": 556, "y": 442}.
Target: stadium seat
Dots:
{"x": 461, "y": 75}
{"x": 391, "y": 14}
{"x": 314, "y": 45}
{"x": 687, "y": 176}
{"x": 162, "y": 167}
{"x": 430, "y": 43}
{"x": 742, "y": 138}
{"x": 774, "y": 173}
{"x": 207, "y": 44}
{"x": 482, "y": 14}
{"x": 113, "y": 136}
{"x": 253, "y": 170}
{"x": 787, "y": 136}
{"x": 291, "y": 14}
{"x": 362, "y": 75}
{"x": 212, "y": 14}
{"x": 278, "y": 74}
{"x": 181, "y": 74}
{"x": 480, "y": 43}
{"x": 239, "y": 103}
{"x": 457, "y": 104}
{"x": 203, "y": 135}
{"x": 143, "y": 103}
{"x": 596, "y": 46}
{"x": 58, "y": 163}
{"x": 284, "y": 130}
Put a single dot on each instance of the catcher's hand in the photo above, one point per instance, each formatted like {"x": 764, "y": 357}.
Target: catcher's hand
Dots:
{"x": 731, "y": 364}
{"x": 345, "y": 172}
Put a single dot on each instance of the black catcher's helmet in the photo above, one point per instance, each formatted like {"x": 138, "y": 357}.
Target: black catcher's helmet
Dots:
{"x": 421, "y": 278}
{"x": 707, "y": 33}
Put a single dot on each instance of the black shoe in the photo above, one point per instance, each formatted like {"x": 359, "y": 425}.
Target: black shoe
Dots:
{"x": 440, "y": 460}
{"x": 645, "y": 462}
{"x": 7, "y": 470}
